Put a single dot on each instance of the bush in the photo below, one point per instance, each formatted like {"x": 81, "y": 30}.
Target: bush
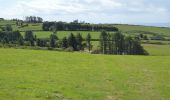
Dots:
{"x": 69, "y": 49}
{"x": 96, "y": 51}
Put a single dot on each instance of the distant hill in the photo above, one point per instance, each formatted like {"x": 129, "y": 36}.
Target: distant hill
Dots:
{"x": 122, "y": 27}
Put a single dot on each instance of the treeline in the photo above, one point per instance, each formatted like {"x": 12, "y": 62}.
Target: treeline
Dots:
{"x": 33, "y": 19}
{"x": 9, "y": 37}
{"x": 119, "y": 44}
{"x": 1, "y": 19}
{"x": 110, "y": 43}
{"x": 6, "y": 28}
{"x": 75, "y": 26}
{"x": 70, "y": 43}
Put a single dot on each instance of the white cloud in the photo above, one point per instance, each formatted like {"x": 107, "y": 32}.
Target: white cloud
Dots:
{"x": 90, "y": 10}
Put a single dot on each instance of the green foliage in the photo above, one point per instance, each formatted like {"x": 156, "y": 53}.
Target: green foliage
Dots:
{"x": 8, "y": 28}
{"x": 117, "y": 43}
{"x": 33, "y": 19}
{"x": 64, "y": 43}
{"x": 72, "y": 41}
{"x": 41, "y": 42}
{"x": 7, "y": 37}
{"x": 29, "y": 36}
{"x": 53, "y": 40}
{"x": 79, "y": 40}
{"x": 88, "y": 42}
{"x": 76, "y": 26}
{"x": 21, "y": 41}
{"x": 103, "y": 42}
{"x": 5, "y": 40}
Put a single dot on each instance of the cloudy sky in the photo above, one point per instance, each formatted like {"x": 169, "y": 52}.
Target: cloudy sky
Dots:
{"x": 94, "y": 11}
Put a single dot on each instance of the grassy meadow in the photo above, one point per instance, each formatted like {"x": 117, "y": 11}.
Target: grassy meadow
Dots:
{"x": 48, "y": 75}
{"x": 51, "y": 75}
{"x": 33, "y": 27}
{"x": 61, "y": 34}
{"x": 157, "y": 50}
{"x": 137, "y": 28}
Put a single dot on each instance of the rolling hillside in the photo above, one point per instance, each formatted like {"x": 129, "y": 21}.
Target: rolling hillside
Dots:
{"x": 154, "y": 47}
{"x": 46, "y": 75}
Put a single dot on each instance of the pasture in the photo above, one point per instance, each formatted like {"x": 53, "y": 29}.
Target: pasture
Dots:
{"x": 61, "y": 34}
{"x": 137, "y": 28}
{"x": 51, "y": 75}
{"x": 48, "y": 75}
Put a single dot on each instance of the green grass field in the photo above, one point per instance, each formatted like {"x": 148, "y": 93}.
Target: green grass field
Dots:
{"x": 48, "y": 75}
{"x": 153, "y": 49}
{"x": 132, "y": 28}
{"x": 124, "y": 28}
{"x": 51, "y": 75}
{"x": 61, "y": 34}
{"x": 33, "y": 27}
{"x": 157, "y": 50}
{"x": 6, "y": 22}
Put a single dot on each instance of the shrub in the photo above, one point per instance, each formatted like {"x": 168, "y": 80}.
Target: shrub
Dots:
{"x": 69, "y": 49}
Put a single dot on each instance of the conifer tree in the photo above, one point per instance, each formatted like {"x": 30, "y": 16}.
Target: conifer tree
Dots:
{"x": 72, "y": 41}
{"x": 88, "y": 42}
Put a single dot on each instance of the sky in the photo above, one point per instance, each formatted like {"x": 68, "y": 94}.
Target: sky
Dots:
{"x": 92, "y": 11}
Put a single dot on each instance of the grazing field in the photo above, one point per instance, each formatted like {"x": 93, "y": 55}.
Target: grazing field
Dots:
{"x": 7, "y": 22}
{"x": 61, "y": 34}
{"x": 134, "y": 28}
{"x": 48, "y": 75}
{"x": 34, "y": 27}
{"x": 157, "y": 50}
{"x": 122, "y": 27}
{"x": 154, "y": 47}
{"x": 156, "y": 42}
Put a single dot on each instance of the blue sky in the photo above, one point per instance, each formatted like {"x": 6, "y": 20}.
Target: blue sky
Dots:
{"x": 94, "y": 11}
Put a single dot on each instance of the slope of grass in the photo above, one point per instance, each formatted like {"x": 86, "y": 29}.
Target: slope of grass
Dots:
{"x": 33, "y": 27}
{"x": 134, "y": 28}
{"x": 157, "y": 50}
{"x": 61, "y": 34}
{"x": 7, "y": 22}
{"x": 122, "y": 27}
{"x": 153, "y": 49}
{"x": 47, "y": 75}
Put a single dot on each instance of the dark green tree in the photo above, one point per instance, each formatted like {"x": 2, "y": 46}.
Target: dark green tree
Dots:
{"x": 118, "y": 39}
{"x": 109, "y": 44}
{"x": 128, "y": 45}
{"x": 64, "y": 43}
{"x": 137, "y": 49}
{"x": 145, "y": 37}
{"x": 8, "y": 28}
{"x": 103, "y": 42}
{"x": 21, "y": 41}
{"x": 5, "y": 40}
{"x": 53, "y": 40}
{"x": 88, "y": 42}
{"x": 29, "y": 36}
{"x": 16, "y": 35}
{"x": 41, "y": 42}
{"x": 79, "y": 40}
{"x": 72, "y": 41}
